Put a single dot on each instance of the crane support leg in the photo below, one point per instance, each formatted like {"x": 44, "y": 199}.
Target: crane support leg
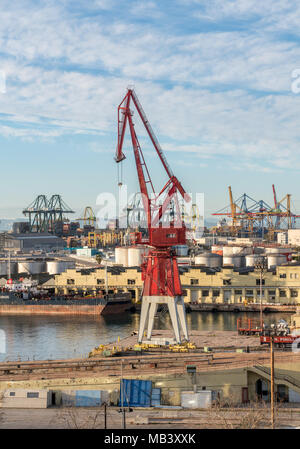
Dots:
{"x": 182, "y": 316}
{"x": 174, "y": 318}
{"x": 177, "y": 314}
{"x": 143, "y": 318}
{"x": 152, "y": 312}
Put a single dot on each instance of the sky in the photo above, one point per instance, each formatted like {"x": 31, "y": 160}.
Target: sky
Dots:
{"x": 219, "y": 82}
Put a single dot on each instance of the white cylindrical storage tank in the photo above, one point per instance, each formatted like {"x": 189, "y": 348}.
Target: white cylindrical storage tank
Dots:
{"x": 285, "y": 251}
{"x": 272, "y": 250}
{"x": 181, "y": 250}
{"x": 3, "y": 267}
{"x": 275, "y": 259}
{"x": 135, "y": 255}
{"x": 121, "y": 256}
{"x": 236, "y": 250}
{"x": 252, "y": 259}
{"x": 236, "y": 261}
{"x": 227, "y": 251}
{"x": 31, "y": 267}
{"x": 209, "y": 260}
{"x": 59, "y": 266}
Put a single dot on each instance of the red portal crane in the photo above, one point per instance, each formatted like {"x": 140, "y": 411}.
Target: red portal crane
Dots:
{"x": 160, "y": 271}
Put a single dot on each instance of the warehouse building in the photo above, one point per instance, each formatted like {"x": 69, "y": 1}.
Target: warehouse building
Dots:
{"x": 30, "y": 241}
{"x": 200, "y": 284}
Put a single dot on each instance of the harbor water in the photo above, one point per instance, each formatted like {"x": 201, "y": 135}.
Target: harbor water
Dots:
{"x": 59, "y": 337}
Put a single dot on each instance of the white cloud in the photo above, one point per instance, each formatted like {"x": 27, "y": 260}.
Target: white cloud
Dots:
{"x": 205, "y": 92}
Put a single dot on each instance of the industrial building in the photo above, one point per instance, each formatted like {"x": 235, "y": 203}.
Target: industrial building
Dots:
{"x": 30, "y": 241}
{"x": 294, "y": 237}
{"x": 201, "y": 284}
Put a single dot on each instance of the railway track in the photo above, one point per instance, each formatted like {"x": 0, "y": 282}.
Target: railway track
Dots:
{"x": 78, "y": 368}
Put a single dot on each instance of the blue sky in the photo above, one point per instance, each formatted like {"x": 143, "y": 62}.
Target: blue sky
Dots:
{"x": 214, "y": 78}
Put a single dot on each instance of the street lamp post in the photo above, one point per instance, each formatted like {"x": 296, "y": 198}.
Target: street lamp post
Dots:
{"x": 261, "y": 265}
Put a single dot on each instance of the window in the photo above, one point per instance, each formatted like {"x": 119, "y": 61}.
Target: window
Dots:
{"x": 205, "y": 292}
{"x": 100, "y": 281}
{"x": 282, "y": 293}
{"x": 282, "y": 275}
{"x": 33, "y": 395}
{"x": 216, "y": 292}
{"x": 12, "y": 393}
{"x": 238, "y": 292}
{"x": 70, "y": 281}
{"x": 258, "y": 282}
{"x": 262, "y": 293}
{"x": 294, "y": 293}
{"x": 130, "y": 281}
{"x": 249, "y": 292}
{"x": 226, "y": 281}
{"x": 194, "y": 281}
{"x": 272, "y": 292}
{"x": 294, "y": 275}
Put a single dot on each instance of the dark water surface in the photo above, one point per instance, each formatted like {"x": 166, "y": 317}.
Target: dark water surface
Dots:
{"x": 58, "y": 337}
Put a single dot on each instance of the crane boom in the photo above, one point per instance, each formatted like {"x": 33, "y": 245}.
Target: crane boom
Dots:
{"x": 153, "y": 209}
{"x": 160, "y": 271}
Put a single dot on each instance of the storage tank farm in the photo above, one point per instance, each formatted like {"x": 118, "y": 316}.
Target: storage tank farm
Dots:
{"x": 242, "y": 256}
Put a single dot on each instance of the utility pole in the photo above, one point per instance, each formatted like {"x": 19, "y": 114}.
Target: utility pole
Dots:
{"x": 106, "y": 281}
{"x": 105, "y": 416}
{"x": 272, "y": 382}
{"x": 122, "y": 399}
{"x": 261, "y": 265}
{"x": 9, "y": 265}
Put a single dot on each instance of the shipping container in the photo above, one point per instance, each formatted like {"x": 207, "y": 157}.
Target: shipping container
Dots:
{"x": 202, "y": 399}
{"x": 155, "y": 397}
{"x": 136, "y": 393}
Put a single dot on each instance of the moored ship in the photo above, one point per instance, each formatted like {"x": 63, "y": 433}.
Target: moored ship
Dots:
{"x": 12, "y": 303}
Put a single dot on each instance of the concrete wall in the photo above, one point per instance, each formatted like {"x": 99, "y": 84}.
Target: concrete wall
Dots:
{"x": 227, "y": 385}
{"x": 21, "y": 398}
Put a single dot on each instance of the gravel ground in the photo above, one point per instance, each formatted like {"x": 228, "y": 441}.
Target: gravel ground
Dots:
{"x": 213, "y": 339}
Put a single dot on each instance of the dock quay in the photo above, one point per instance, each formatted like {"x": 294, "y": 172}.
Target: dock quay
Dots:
{"x": 222, "y": 307}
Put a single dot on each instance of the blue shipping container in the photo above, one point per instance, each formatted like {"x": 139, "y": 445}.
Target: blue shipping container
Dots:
{"x": 88, "y": 398}
{"x": 136, "y": 393}
{"x": 155, "y": 397}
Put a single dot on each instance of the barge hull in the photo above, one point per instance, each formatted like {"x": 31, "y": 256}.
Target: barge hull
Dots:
{"x": 115, "y": 304}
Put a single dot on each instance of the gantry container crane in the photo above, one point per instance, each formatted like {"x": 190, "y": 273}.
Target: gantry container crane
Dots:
{"x": 160, "y": 270}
